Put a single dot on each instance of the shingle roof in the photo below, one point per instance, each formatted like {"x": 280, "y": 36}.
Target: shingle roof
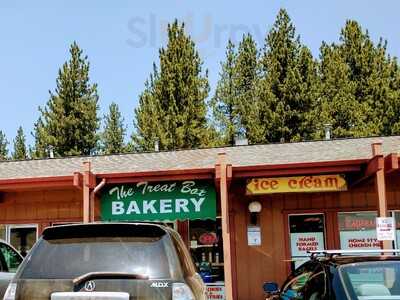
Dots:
{"x": 252, "y": 155}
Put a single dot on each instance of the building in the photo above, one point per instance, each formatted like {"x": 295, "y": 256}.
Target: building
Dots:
{"x": 248, "y": 213}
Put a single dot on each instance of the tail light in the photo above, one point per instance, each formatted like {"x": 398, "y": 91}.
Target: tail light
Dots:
{"x": 181, "y": 291}
{"x": 10, "y": 292}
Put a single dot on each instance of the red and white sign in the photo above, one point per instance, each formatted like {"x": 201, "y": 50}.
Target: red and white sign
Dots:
{"x": 385, "y": 229}
{"x": 306, "y": 241}
{"x": 359, "y": 240}
{"x": 215, "y": 291}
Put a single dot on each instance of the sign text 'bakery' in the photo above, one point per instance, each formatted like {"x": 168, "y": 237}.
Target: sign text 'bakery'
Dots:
{"x": 159, "y": 201}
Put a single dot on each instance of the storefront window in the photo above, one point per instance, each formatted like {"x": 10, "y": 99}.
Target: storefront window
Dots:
{"x": 206, "y": 248}
{"x": 22, "y": 237}
{"x": 357, "y": 230}
{"x": 306, "y": 234}
{"x": 207, "y": 252}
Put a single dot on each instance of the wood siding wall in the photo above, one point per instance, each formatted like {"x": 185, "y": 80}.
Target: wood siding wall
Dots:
{"x": 41, "y": 207}
{"x": 268, "y": 262}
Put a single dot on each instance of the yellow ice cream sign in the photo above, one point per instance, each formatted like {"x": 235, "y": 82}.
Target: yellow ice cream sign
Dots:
{"x": 298, "y": 184}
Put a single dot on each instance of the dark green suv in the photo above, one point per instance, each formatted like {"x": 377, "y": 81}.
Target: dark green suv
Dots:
{"x": 113, "y": 261}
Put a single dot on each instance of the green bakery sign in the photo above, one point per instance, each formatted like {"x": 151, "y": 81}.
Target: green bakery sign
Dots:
{"x": 162, "y": 201}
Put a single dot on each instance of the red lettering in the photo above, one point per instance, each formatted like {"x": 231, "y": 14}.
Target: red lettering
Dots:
{"x": 274, "y": 184}
{"x": 292, "y": 183}
{"x": 308, "y": 182}
{"x": 265, "y": 184}
{"x": 256, "y": 184}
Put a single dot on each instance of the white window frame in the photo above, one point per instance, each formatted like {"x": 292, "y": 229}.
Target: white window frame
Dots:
{"x": 13, "y": 226}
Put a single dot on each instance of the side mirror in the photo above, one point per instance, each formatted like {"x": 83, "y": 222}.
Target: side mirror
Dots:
{"x": 271, "y": 288}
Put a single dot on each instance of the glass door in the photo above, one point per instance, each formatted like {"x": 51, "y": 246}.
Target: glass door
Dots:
{"x": 307, "y": 233}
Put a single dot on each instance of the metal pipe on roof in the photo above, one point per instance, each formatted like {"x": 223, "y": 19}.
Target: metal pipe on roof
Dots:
{"x": 93, "y": 195}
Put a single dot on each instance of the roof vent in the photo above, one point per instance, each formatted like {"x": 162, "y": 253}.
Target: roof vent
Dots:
{"x": 51, "y": 151}
{"x": 328, "y": 131}
{"x": 241, "y": 140}
{"x": 157, "y": 145}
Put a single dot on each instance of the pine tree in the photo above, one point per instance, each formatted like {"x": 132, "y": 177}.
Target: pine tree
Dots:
{"x": 147, "y": 115}
{"x": 114, "y": 131}
{"x": 361, "y": 77}
{"x": 224, "y": 104}
{"x": 245, "y": 81}
{"x": 69, "y": 119}
{"x": 337, "y": 105}
{"x": 172, "y": 107}
{"x": 3, "y": 146}
{"x": 391, "y": 109}
{"x": 286, "y": 91}
{"x": 367, "y": 67}
{"x": 40, "y": 148}
{"x": 20, "y": 151}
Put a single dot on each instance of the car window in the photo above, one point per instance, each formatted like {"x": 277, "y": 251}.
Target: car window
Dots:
{"x": 372, "y": 280}
{"x": 315, "y": 288}
{"x": 293, "y": 289}
{"x": 72, "y": 257}
{"x": 11, "y": 259}
{"x": 308, "y": 282}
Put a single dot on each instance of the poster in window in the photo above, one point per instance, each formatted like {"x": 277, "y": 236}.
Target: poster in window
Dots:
{"x": 306, "y": 234}
{"x": 357, "y": 231}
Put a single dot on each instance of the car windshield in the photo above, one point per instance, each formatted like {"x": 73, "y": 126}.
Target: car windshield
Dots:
{"x": 68, "y": 258}
{"x": 372, "y": 280}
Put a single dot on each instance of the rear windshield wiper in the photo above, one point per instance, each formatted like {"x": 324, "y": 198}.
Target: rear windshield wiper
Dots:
{"x": 110, "y": 275}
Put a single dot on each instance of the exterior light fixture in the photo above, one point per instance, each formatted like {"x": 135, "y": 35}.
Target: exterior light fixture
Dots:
{"x": 255, "y": 208}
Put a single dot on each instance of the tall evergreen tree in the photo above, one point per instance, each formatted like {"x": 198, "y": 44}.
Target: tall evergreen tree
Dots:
{"x": 224, "y": 104}
{"x": 69, "y": 119}
{"x": 114, "y": 131}
{"x": 337, "y": 105}
{"x": 391, "y": 109}
{"x": 40, "y": 148}
{"x": 367, "y": 69}
{"x": 286, "y": 92}
{"x": 20, "y": 151}
{"x": 3, "y": 146}
{"x": 172, "y": 107}
{"x": 369, "y": 80}
{"x": 245, "y": 81}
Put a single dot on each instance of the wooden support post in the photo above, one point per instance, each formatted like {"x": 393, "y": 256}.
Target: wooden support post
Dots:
{"x": 381, "y": 189}
{"x": 226, "y": 238}
{"x": 86, "y": 192}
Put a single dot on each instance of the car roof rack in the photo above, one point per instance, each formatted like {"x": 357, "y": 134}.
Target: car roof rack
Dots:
{"x": 331, "y": 253}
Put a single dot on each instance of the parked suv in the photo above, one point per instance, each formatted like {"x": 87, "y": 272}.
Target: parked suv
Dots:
{"x": 342, "y": 275}
{"x": 10, "y": 259}
{"x": 107, "y": 261}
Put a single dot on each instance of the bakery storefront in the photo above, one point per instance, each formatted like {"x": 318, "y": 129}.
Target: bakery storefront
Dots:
{"x": 248, "y": 214}
{"x": 188, "y": 206}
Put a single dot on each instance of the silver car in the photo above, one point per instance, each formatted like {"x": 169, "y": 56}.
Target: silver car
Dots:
{"x": 10, "y": 259}
{"x": 113, "y": 261}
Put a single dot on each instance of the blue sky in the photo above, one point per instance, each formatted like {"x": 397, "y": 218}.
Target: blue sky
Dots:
{"x": 121, "y": 39}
